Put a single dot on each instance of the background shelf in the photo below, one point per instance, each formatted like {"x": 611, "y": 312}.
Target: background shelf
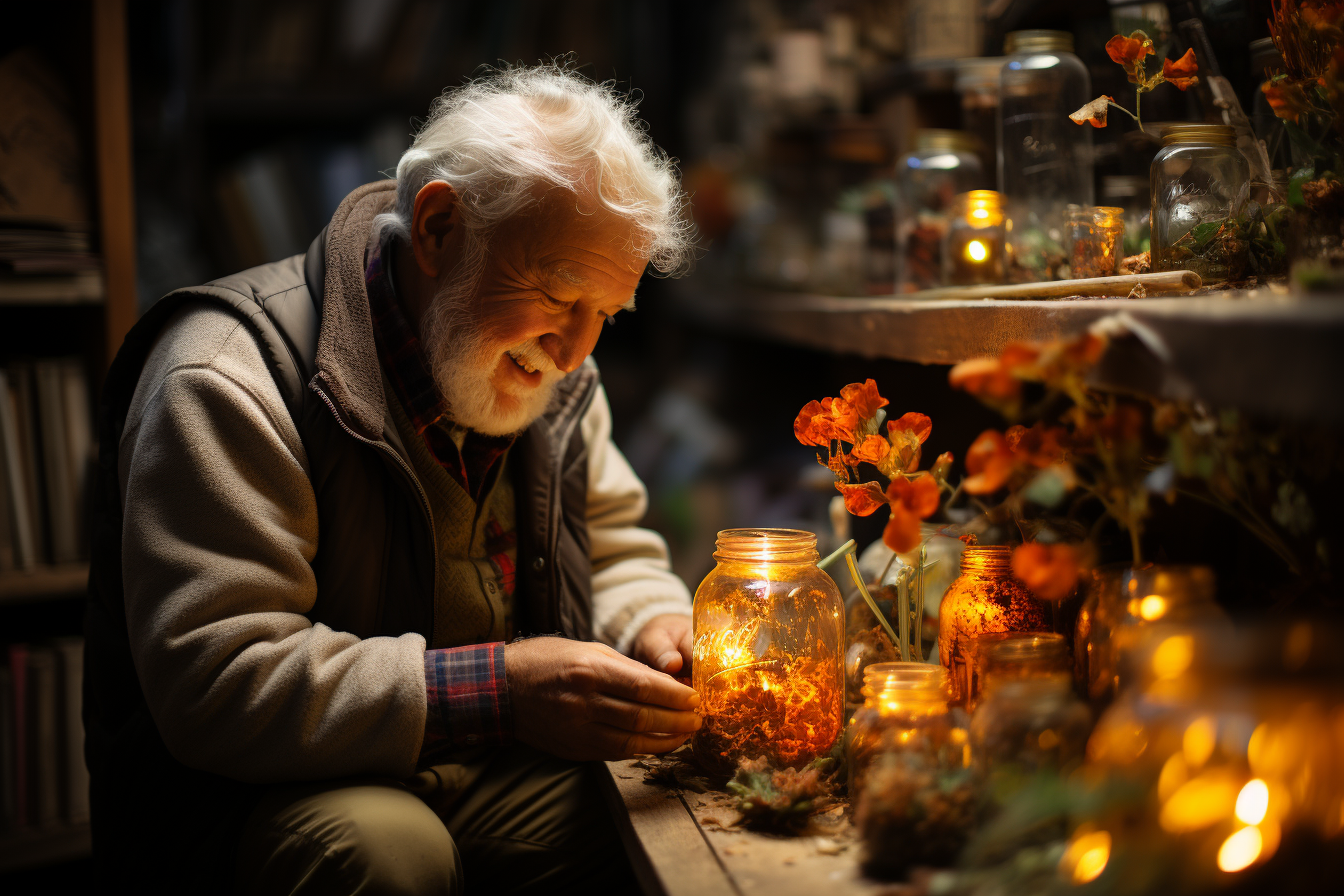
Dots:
{"x": 44, "y": 583}
{"x": 33, "y": 848}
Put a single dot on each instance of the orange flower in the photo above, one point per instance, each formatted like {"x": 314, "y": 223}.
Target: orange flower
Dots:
{"x": 1039, "y": 446}
{"x": 862, "y": 499}
{"x": 1050, "y": 570}
{"x": 989, "y": 461}
{"x": 942, "y": 466}
{"x": 873, "y": 449}
{"x": 1181, "y": 73}
{"x": 911, "y": 500}
{"x": 1286, "y": 98}
{"x": 844, "y": 419}
{"x": 907, "y": 435}
{"x": 813, "y": 425}
{"x": 1129, "y": 52}
{"x": 1094, "y": 113}
{"x": 863, "y": 398}
{"x": 985, "y": 378}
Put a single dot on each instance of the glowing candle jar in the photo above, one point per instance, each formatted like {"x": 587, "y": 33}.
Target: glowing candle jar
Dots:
{"x": 1096, "y": 241}
{"x": 769, "y": 643}
{"x": 973, "y": 252}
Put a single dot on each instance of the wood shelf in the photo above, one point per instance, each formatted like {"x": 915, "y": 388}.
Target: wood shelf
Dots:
{"x": 44, "y": 583}
{"x": 27, "y": 848}
{"x": 1261, "y": 350}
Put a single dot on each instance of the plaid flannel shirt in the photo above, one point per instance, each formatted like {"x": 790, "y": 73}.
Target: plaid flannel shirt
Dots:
{"x": 466, "y": 690}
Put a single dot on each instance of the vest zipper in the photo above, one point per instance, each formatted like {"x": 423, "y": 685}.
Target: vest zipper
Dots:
{"x": 406, "y": 468}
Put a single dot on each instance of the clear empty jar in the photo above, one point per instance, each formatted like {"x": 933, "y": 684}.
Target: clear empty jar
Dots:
{"x": 1045, "y": 160}
{"x": 1095, "y": 239}
{"x": 973, "y": 249}
{"x": 1200, "y": 186}
{"x": 943, "y": 166}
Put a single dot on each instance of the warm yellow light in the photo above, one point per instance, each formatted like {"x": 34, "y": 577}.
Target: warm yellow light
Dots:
{"x": 1198, "y": 741}
{"x": 1199, "y": 802}
{"x": 1253, "y": 802}
{"x": 976, "y": 250}
{"x": 980, "y": 214}
{"x": 1240, "y": 850}
{"x": 1173, "y": 656}
{"x": 1174, "y": 774}
{"x": 1153, "y": 607}
{"x": 1086, "y": 857}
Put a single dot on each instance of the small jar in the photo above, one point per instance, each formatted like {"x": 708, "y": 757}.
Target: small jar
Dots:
{"x": 985, "y": 598}
{"x": 1095, "y": 240}
{"x": 1011, "y": 656}
{"x": 769, "y": 636}
{"x": 1200, "y": 186}
{"x": 909, "y": 766}
{"x": 1167, "y": 594}
{"x": 973, "y": 250}
{"x": 942, "y": 166}
{"x": 1130, "y": 192}
{"x": 1030, "y": 724}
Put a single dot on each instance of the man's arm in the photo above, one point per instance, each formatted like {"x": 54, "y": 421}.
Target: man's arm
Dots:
{"x": 220, "y": 526}
{"x": 633, "y": 583}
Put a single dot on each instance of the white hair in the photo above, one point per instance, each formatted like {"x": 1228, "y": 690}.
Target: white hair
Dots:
{"x": 498, "y": 137}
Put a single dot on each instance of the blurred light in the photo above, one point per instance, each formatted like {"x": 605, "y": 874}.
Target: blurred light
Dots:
{"x": 1297, "y": 647}
{"x": 1240, "y": 850}
{"x": 1197, "y": 744}
{"x": 980, "y": 214}
{"x": 1048, "y": 739}
{"x": 1174, "y": 774}
{"x": 1200, "y": 802}
{"x": 1086, "y": 857}
{"x": 1152, "y": 607}
{"x": 1253, "y": 802}
{"x": 1173, "y": 656}
{"x": 975, "y": 249}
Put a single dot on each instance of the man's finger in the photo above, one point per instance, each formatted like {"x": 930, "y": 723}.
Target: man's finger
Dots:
{"x": 659, "y": 651}
{"x": 641, "y": 717}
{"x": 623, "y": 744}
{"x": 636, "y": 682}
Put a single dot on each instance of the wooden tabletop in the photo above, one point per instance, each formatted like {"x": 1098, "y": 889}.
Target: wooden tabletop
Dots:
{"x": 685, "y": 843}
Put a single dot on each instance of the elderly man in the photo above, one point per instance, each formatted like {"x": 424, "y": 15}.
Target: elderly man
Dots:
{"x": 337, "y": 490}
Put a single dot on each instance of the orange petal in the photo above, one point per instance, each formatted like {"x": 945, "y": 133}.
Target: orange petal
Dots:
{"x": 806, "y": 429}
{"x": 862, "y": 499}
{"x": 1181, "y": 73}
{"x": 871, "y": 450}
{"x": 1050, "y": 571}
{"x": 902, "y": 531}
{"x": 1094, "y": 113}
{"x": 917, "y": 424}
{"x": 863, "y": 398}
{"x": 989, "y": 461}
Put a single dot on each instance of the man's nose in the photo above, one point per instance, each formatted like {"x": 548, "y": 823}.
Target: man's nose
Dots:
{"x": 569, "y": 346}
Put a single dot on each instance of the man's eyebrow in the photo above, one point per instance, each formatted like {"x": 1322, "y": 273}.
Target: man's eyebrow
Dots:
{"x": 574, "y": 278}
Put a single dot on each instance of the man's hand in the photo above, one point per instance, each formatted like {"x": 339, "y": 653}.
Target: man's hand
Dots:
{"x": 664, "y": 643}
{"x": 581, "y": 700}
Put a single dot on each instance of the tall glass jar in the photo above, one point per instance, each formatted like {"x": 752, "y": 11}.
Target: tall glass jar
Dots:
{"x": 910, "y": 773}
{"x": 985, "y": 598}
{"x": 1200, "y": 186}
{"x": 942, "y": 166}
{"x": 1169, "y": 594}
{"x": 978, "y": 86}
{"x": 973, "y": 249}
{"x": 769, "y": 637}
{"x": 1095, "y": 239}
{"x": 1045, "y": 160}
{"x": 1030, "y": 724}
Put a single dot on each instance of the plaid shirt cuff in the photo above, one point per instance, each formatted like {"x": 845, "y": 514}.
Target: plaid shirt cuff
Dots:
{"x": 468, "y": 699}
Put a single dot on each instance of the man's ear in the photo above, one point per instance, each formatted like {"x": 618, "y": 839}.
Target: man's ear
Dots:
{"x": 436, "y": 228}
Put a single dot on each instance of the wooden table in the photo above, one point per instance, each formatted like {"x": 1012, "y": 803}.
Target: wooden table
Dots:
{"x": 684, "y": 843}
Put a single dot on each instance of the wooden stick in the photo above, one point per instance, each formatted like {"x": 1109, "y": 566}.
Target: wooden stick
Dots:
{"x": 1122, "y": 285}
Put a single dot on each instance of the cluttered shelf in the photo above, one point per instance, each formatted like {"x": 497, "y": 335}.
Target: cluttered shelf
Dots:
{"x": 1262, "y": 350}
{"x": 31, "y": 848}
{"x": 43, "y": 583}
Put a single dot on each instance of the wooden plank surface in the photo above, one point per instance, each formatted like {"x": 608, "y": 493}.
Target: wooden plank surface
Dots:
{"x": 728, "y": 858}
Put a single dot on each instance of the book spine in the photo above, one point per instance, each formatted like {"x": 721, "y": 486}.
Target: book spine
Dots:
{"x": 71, "y": 651}
{"x": 18, "y": 679}
{"x": 44, "y": 745}
{"x": 9, "y": 818}
{"x": 56, "y": 463}
{"x": 79, "y": 439}
{"x": 25, "y": 547}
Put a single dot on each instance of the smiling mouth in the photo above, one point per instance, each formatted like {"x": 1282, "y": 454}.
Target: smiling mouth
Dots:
{"x": 522, "y": 363}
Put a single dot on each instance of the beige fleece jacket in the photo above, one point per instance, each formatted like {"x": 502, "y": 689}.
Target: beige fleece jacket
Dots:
{"x": 220, "y": 526}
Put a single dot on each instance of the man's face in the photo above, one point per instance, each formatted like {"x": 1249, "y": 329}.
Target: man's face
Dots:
{"x": 500, "y": 342}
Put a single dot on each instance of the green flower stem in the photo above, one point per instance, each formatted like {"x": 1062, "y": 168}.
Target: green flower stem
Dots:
{"x": 872, "y": 604}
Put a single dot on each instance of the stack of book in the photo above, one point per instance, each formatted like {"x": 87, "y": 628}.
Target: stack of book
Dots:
{"x": 46, "y": 451}
{"x": 44, "y": 782}
{"x": 43, "y": 262}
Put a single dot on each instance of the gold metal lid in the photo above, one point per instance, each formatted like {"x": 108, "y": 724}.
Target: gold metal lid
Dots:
{"x": 1038, "y": 41}
{"x": 943, "y": 140}
{"x": 1215, "y": 134}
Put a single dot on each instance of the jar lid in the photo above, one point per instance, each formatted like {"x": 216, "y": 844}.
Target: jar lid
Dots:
{"x": 926, "y": 681}
{"x": 944, "y": 140}
{"x": 978, "y": 72}
{"x": 1038, "y": 40}
{"x": 1215, "y": 134}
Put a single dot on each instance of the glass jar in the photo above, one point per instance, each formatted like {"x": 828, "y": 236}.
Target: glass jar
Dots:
{"x": 1098, "y": 615}
{"x": 978, "y": 86}
{"x": 909, "y": 765}
{"x": 1029, "y": 724}
{"x": 985, "y": 598}
{"x": 943, "y": 166}
{"x": 1010, "y": 656}
{"x": 1045, "y": 160}
{"x": 1095, "y": 239}
{"x": 1167, "y": 594}
{"x": 973, "y": 249}
{"x": 769, "y": 636}
{"x": 904, "y": 709}
{"x": 1130, "y": 192}
{"x": 1200, "y": 186}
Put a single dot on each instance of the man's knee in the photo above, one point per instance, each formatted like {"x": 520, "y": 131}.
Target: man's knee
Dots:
{"x": 367, "y": 839}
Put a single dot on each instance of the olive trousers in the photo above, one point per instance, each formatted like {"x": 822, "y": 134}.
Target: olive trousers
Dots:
{"x": 518, "y": 821}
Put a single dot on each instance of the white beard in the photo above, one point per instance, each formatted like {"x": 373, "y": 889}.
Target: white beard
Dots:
{"x": 463, "y": 362}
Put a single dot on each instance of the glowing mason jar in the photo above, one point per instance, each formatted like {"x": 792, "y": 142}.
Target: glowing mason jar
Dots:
{"x": 769, "y": 640}
{"x": 973, "y": 250}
